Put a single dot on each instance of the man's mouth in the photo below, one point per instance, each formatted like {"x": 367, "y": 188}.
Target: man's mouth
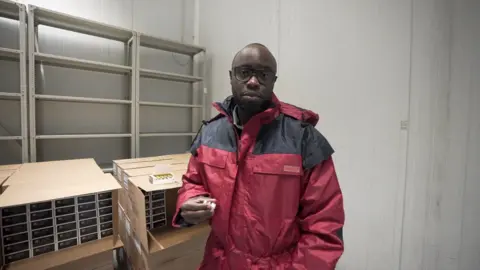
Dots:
{"x": 251, "y": 94}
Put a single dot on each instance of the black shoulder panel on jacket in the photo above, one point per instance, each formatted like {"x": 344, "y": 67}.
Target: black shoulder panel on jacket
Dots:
{"x": 315, "y": 147}
{"x": 281, "y": 136}
{"x": 216, "y": 134}
{"x": 287, "y": 135}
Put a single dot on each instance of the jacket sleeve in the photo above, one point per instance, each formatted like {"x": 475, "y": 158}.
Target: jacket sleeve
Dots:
{"x": 192, "y": 187}
{"x": 321, "y": 218}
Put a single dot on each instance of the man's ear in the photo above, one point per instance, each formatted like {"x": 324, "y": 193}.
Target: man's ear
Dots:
{"x": 230, "y": 74}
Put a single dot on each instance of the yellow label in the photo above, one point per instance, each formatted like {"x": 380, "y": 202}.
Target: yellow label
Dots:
{"x": 163, "y": 176}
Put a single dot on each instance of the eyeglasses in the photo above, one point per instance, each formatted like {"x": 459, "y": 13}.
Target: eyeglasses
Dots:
{"x": 243, "y": 74}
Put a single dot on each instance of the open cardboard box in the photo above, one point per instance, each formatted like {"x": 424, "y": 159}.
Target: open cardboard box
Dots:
{"x": 134, "y": 205}
{"x": 170, "y": 248}
{"x": 50, "y": 183}
{"x": 178, "y": 167}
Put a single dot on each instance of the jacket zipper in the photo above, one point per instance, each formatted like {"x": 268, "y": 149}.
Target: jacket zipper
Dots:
{"x": 237, "y": 139}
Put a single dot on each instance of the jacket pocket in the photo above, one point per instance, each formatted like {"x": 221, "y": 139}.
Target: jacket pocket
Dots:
{"x": 278, "y": 164}
{"x": 274, "y": 186}
{"x": 214, "y": 172}
{"x": 214, "y": 159}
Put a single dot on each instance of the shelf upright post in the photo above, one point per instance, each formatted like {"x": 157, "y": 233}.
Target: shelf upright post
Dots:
{"x": 23, "y": 79}
{"x": 31, "y": 82}
{"x": 204, "y": 91}
{"x": 132, "y": 49}
{"x": 136, "y": 103}
{"x": 193, "y": 87}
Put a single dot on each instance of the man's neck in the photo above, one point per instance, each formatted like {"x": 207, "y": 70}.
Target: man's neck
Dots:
{"x": 244, "y": 115}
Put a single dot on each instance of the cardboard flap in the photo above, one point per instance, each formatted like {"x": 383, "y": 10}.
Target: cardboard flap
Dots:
{"x": 5, "y": 174}
{"x": 137, "y": 165}
{"x": 37, "y": 191}
{"x": 51, "y": 171}
{"x": 169, "y": 237}
{"x": 147, "y": 159}
{"x": 175, "y": 167}
{"x": 10, "y": 167}
{"x": 139, "y": 222}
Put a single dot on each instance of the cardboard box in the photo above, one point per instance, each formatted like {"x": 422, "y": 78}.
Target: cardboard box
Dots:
{"x": 155, "y": 248}
{"x": 178, "y": 166}
{"x": 134, "y": 204}
{"x": 49, "y": 207}
{"x": 119, "y": 166}
{"x": 171, "y": 248}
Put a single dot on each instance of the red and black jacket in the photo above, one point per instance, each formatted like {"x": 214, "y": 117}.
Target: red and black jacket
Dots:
{"x": 279, "y": 204}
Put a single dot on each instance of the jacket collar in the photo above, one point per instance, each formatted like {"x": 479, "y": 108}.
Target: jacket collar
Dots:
{"x": 226, "y": 108}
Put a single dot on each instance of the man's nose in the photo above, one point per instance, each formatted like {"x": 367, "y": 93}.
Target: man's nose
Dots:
{"x": 253, "y": 82}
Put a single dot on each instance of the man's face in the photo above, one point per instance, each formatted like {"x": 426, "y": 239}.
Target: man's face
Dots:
{"x": 252, "y": 78}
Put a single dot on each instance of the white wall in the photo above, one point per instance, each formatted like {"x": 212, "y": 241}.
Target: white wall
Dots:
{"x": 365, "y": 67}
{"x": 164, "y": 18}
{"x": 441, "y": 207}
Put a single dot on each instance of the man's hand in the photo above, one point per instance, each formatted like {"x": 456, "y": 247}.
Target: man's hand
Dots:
{"x": 197, "y": 209}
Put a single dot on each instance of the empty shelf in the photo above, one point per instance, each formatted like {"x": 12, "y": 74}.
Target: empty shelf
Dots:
{"x": 9, "y": 53}
{"x": 69, "y": 62}
{"x": 4, "y": 95}
{"x": 9, "y": 9}
{"x": 82, "y": 136}
{"x": 10, "y": 138}
{"x": 146, "y": 73}
{"x": 166, "y": 134}
{"x": 169, "y": 45}
{"x": 79, "y": 25}
{"x": 82, "y": 99}
{"x": 163, "y": 104}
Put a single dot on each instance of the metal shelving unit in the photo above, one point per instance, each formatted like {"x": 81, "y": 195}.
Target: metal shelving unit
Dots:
{"x": 195, "y": 82}
{"x": 40, "y": 16}
{"x": 16, "y": 11}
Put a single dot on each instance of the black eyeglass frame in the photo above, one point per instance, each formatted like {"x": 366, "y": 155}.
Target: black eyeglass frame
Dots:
{"x": 254, "y": 72}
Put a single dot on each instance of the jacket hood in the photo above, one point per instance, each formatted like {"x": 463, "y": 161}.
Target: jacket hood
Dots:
{"x": 303, "y": 115}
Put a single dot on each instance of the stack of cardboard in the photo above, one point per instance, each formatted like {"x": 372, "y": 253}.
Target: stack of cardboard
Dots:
{"x": 59, "y": 215}
{"x": 146, "y": 211}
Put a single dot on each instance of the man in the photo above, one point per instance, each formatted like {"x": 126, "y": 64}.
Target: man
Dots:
{"x": 269, "y": 173}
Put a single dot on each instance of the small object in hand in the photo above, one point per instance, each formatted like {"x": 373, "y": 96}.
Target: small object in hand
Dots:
{"x": 212, "y": 205}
